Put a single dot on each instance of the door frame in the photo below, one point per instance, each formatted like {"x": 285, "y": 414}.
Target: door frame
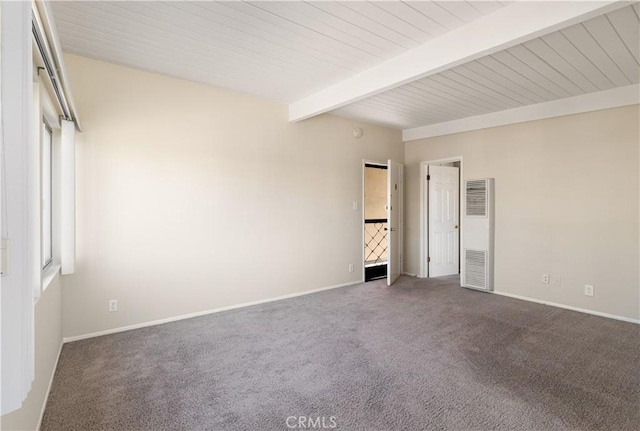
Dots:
{"x": 366, "y": 162}
{"x": 424, "y": 213}
{"x": 400, "y": 228}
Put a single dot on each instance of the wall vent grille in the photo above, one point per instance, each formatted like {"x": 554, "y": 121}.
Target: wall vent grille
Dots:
{"x": 476, "y": 198}
{"x": 475, "y": 269}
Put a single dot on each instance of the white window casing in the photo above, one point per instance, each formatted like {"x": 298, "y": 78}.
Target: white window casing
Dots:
{"x": 46, "y": 194}
{"x": 68, "y": 197}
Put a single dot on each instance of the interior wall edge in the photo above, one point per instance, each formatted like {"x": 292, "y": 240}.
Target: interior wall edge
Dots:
{"x": 53, "y": 374}
{"x": 567, "y": 205}
{"x": 48, "y": 347}
{"x": 202, "y": 313}
{"x": 613, "y": 98}
{"x": 191, "y": 197}
{"x": 567, "y": 307}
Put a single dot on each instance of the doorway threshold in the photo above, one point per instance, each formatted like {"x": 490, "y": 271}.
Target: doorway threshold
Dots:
{"x": 375, "y": 271}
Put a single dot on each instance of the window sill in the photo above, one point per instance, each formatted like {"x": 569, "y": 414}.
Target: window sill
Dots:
{"x": 49, "y": 274}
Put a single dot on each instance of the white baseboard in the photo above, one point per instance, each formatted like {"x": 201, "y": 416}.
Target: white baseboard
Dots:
{"x": 202, "y": 313}
{"x": 410, "y": 274}
{"x": 569, "y": 307}
{"x": 46, "y": 395}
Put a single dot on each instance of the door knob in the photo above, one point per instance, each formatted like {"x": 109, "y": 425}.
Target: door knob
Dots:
{"x": 393, "y": 229}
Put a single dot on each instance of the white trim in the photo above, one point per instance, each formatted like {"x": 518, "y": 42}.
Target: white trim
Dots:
{"x": 410, "y": 274}
{"x": 46, "y": 395}
{"x": 205, "y": 312}
{"x": 49, "y": 274}
{"x": 613, "y": 98}
{"x": 424, "y": 231}
{"x": 67, "y": 224}
{"x": 568, "y": 307}
{"x": 401, "y": 218}
{"x": 509, "y": 26}
{"x": 35, "y": 196}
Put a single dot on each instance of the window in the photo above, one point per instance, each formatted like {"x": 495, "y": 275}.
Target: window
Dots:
{"x": 46, "y": 194}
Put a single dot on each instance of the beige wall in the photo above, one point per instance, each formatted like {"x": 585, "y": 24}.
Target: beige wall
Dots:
{"x": 375, "y": 193}
{"x": 191, "y": 197}
{"x": 566, "y": 204}
{"x": 48, "y": 338}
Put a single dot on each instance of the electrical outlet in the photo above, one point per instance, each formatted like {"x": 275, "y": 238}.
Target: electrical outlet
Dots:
{"x": 113, "y": 305}
{"x": 355, "y": 205}
{"x": 545, "y": 278}
{"x": 351, "y": 267}
{"x": 556, "y": 280}
{"x": 588, "y": 290}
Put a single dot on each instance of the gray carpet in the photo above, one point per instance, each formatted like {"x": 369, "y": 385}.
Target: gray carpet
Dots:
{"x": 420, "y": 355}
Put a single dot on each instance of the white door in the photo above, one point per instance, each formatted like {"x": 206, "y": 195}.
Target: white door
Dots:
{"x": 443, "y": 221}
{"x": 394, "y": 221}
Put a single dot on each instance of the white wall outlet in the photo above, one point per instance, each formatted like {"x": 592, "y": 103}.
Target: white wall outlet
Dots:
{"x": 588, "y": 290}
{"x": 545, "y": 278}
{"x": 355, "y": 205}
{"x": 113, "y": 305}
{"x": 556, "y": 280}
{"x": 351, "y": 267}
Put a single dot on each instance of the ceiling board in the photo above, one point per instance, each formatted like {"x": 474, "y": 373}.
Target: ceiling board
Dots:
{"x": 286, "y": 51}
{"x": 598, "y": 54}
{"x": 283, "y": 51}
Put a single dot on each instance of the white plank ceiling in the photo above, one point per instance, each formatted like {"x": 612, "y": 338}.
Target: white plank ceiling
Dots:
{"x": 595, "y": 55}
{"x": 288, "y": 50}
{"x": 279, "y": 50}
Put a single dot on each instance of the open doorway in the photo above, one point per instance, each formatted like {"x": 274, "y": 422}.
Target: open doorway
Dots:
{"x": 375, "y": 221}
{"x": 441, "y": 228}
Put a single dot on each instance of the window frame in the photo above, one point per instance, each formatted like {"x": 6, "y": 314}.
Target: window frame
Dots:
{"x": 46, "y": 128}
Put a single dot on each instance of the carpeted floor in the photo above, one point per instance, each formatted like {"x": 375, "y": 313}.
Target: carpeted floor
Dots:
{"x": 420, "y": 355}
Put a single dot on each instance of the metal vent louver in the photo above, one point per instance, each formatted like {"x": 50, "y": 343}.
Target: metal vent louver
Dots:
{"x": 476, "y": 194}
{"x": 475, "y": 270}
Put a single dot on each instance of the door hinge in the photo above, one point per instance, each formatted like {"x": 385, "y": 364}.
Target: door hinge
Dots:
{"x": 428, "y": 177}
{"x": 429, "y": 259}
